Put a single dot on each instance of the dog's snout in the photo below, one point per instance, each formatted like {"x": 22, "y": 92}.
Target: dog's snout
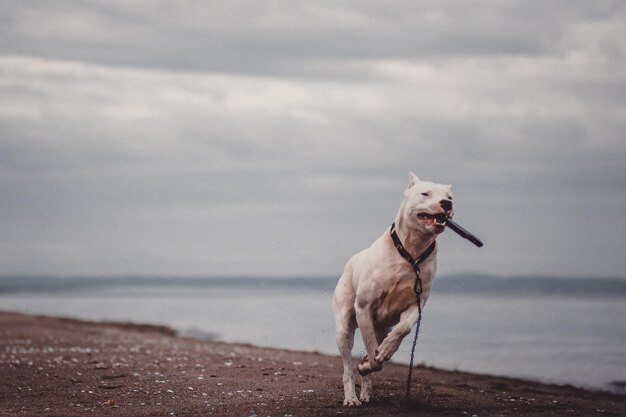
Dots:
{"x": 446, "y": 205}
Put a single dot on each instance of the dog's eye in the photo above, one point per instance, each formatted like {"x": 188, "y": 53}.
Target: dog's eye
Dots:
{"x": 449, "y": 198}
{"x": 426, "y": 194}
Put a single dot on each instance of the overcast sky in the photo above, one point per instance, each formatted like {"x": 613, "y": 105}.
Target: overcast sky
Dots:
{"x": 276, "y": 138}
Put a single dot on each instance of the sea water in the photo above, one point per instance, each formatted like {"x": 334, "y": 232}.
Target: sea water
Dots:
{"x": 561, "y": 339}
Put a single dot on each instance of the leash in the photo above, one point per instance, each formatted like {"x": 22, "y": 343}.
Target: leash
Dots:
{"x": 415, "y": 263}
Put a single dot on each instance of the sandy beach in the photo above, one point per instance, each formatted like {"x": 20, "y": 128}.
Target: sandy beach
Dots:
{"x": 64, "y": 367}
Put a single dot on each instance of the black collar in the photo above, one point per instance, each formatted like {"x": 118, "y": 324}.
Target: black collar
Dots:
{"x": 406, "y": 255}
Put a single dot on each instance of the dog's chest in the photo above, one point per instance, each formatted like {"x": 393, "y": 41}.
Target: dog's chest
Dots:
{"x": 394, "y": 301}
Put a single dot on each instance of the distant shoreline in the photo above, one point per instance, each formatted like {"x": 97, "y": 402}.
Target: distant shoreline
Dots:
{"x": 53, "y": 366}
{"x": 450, "y": 284}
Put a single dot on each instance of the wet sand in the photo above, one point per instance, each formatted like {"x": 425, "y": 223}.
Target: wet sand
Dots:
{"x": 63, "y": 367}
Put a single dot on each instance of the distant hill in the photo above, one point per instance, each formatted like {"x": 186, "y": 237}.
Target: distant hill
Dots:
{"x": 532, "y": 285}
{"x": 454, "y": 284}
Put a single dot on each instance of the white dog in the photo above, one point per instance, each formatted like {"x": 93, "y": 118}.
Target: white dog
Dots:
{"x": 376, "y": 290}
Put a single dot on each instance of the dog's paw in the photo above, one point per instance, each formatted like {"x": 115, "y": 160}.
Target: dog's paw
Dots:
{"x": 385, "y": 351}
{"x": 382, "y": 356}
{"x": 364, "y": 368}
{"x": 365, "y": 397}
{"x": 367, "y": 367}
{"x": 351, "y": 401}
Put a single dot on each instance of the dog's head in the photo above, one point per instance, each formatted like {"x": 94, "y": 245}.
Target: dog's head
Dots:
{"x": 427, "y": 206}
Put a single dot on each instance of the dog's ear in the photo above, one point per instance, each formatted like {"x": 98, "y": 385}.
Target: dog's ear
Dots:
{"x": 412, "y": 180}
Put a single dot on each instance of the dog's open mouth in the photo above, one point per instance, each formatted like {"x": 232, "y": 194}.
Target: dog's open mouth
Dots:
{"x": 439, "y": 219}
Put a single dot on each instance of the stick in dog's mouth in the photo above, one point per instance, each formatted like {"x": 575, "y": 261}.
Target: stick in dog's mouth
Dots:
{"x": 442, "y": 220}
{"x": 464, "y": 233}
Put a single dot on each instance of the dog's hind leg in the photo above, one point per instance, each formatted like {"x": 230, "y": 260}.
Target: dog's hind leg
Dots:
{"x": 366, "y": 388}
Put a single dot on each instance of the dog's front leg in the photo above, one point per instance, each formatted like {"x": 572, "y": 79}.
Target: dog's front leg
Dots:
{"x": 391, "y": 343}
{"x": 365, "y": 320}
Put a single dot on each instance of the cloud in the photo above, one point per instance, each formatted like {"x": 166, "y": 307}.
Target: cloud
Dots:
{"x": 179, "y": 140}
{"x": 290, "y": 38}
